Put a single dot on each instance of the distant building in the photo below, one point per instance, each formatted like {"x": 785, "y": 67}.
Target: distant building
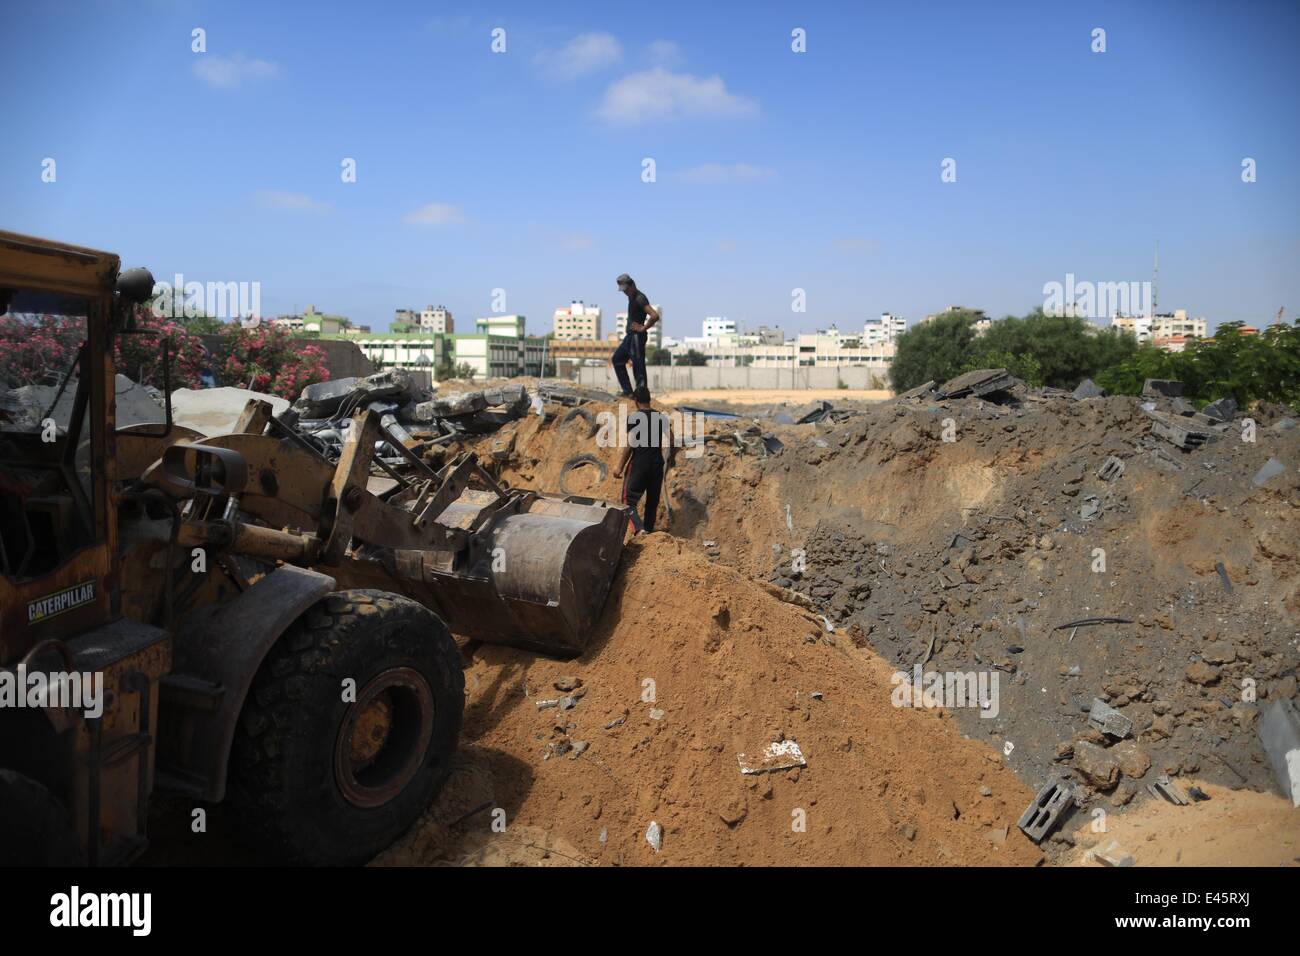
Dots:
{"x": 577, "y": 321}
{"x": 885, "y": 329}
{"x": 312, "y": 321}
{"x": 1167, "y": 330}
{"x": 437, "y": 320}
{"x": 509, "y": 325}
{"x": 718, "y": 326}
{"x": 405, "y": 318}
{"x": 654, "y": 336}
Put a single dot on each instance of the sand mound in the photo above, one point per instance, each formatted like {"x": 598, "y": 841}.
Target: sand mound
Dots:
{"x": 1234, "y": 828}
{"x": 691, "y": 665}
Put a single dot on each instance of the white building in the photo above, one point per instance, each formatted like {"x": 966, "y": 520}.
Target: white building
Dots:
{"x": 716, "y": 326}
{"x": 1163, "y": 326}
{"x": 577, "y": 321}
{"x": 511, "y": 326}
{"x": 436, "y": 320}
{"x": 885, "y": 329}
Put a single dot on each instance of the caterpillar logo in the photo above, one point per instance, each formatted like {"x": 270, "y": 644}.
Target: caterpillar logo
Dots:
{"x": 52, "y": 605}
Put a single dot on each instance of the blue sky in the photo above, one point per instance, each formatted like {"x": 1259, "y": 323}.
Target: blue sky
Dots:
{"x": 775, "y": 170}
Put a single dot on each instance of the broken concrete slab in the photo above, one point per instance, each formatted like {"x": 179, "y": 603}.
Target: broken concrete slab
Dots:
{"x": 1279, "y": 734}
{"x": 1087, "y": 389}
{"x": 978, "y": 384}
{"x": 1109, "y": 720}
{"x": 1162, "y": 387}
{"x": 1221, "y": 410}
{"x": 135, "y": 404}
{"x": 214, "y": 411}
{"x": 920, "y": 391}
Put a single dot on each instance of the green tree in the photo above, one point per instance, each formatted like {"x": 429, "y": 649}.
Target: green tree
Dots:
{"x": 1247, "y": 368}
{"x": 1055, "y": 350}
{"x": 938, "y": 350}
{"x": 694, "y": 357}
{"x": 660, "y": 357}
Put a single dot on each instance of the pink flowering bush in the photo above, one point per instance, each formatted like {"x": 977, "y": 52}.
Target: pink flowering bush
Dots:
{"x": 36, "y": 350}
{"x": 268, "y": 358}
{"x": 140, "y": 357}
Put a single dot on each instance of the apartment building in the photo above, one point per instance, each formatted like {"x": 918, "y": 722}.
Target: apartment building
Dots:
{"x": 577, "y": 321}
{"x": 437, "y": 320}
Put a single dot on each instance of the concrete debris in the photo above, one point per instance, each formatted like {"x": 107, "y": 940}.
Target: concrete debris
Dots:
{"x": 1112, "y": 854}
{"x": 824, "y": 411}
{"x": 779, "y": 755}
{"x": 1272, "y": 468}
{"x": 1279, "y": 734}
{"x": 1110, "y": 469}
{"x": 1159, "y": 387}
{"x": 1167, "y": 789}
{"x": 1041, "y": 816}
{"x": 921, "y": 391}
{"x": 1087, "y": 389}
{"x": 214, "y": 411}
{"x": 1178, "y": 431}
{"x": 990, "y": 383}
{"x": 1222, "y": 410}
{"x": 1109, "y": 720}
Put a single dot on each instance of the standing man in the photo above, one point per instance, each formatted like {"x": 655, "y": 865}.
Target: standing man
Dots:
{"x": 648, "y": 432}
{"x": 641, "y": 315}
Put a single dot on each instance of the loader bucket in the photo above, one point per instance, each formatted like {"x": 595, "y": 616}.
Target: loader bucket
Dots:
{"x": 539, "y": 577}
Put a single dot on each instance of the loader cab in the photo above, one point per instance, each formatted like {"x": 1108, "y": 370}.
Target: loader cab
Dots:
{"x": 57, "y": 529}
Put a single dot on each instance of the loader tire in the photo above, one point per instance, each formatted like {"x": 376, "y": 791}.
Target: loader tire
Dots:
{"x": 35, "y": 829}
{"x": 326, "y": 781}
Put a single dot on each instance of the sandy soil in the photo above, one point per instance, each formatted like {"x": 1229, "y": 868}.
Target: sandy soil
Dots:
{"x": 759, "y": 396}
{"x": 691, "y": 666}
{"x": 1232, "y": 828}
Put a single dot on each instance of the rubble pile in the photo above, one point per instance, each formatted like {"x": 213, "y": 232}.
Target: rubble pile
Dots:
{"x": 1072, "y": 544}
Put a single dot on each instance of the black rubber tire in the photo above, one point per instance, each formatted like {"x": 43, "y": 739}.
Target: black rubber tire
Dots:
{"x": 282, "y": 763}
{"x": 35, "y": 829}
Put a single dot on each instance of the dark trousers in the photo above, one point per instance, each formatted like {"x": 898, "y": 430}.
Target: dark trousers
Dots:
{"x": 632, "y": 347}
{"x": 645, "y": 476}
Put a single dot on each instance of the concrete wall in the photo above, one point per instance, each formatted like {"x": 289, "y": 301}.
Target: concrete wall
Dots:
{"x": 689, "y": 378}
{"x": 342, "y": 358}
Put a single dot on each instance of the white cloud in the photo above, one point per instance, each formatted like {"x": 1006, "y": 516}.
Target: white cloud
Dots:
{"x": 227, "y": 72}
{"x": 434, "y": 214}
{"x": 295, "y": 202}
{"x": 664, "y": 53}
{"x": 660, "y": 94}
{"x": 584, "y": 54}
{"x": 726, "y": 173}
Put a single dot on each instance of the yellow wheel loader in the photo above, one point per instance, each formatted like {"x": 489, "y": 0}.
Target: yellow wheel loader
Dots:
{"x": 238, "y": 618}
